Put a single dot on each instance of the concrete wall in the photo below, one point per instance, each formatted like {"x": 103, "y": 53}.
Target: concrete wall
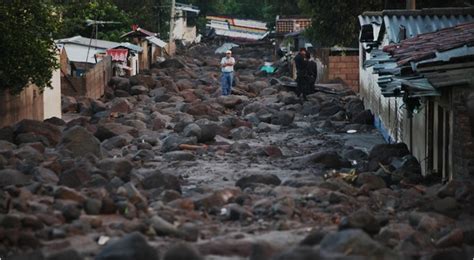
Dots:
{"x": 28, "y": 104}
{"x": 91, "y": 84}
{"x": 345, "y": 68}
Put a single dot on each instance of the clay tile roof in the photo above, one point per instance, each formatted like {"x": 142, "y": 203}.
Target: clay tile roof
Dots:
{"x": 425, "y": 46}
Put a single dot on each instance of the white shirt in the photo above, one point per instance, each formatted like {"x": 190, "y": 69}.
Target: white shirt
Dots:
{"x": 228, "y": 60}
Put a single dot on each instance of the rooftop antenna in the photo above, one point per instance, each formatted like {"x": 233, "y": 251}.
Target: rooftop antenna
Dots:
{"x": 96, "y": 24}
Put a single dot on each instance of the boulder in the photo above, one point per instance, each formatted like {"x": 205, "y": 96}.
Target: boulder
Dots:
{"x": 242, "y": 133}
{"x": 284, "y": 118}
{"x": 364, "y": 118}
{"x": 383, "y": 153}
{"x": 267, "y": 179}
{"x": 13, "y": 177}
{"x": 119, "y": 167}
{"x": 181, "y": 251}
{"x": 355, "y": 242}
{"x": 131, "y": 246}
{"x": 329, "y": 159}
{"x": 179, "y": 156}
{"x": 173, "y": 141}
{"x": 139, "y": 90}
{"x": 161, "y": 180}
{"x": 120, "y": 105}
{"x": 361, "y": 219}
{"x": 370, "y": 181}
{"x": 51, "y": 132}
{"x": 80, "y": 142}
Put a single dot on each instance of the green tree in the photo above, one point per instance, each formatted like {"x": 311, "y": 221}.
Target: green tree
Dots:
{"x": 28, "y": 54}
{"x": 75, "y": 13}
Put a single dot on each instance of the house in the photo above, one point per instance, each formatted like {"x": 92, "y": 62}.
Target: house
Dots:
{"x": 237, "y": 29}
{"x": 86, "y": 68}
{"x": 291, "y": 27}
{"x": 184, "y": 28}
{"x": 415, "y": 74}
{"x": 84, "y": 53}
{"x": 152, "y": 46}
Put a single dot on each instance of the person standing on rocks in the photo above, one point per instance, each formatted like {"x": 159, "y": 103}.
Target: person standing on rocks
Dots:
{"x": 227, "y": 68}
{"x": 310, "y": 75}
{"x": 300, "y": 64}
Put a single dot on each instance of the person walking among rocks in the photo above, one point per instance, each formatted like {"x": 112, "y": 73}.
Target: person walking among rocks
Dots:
{"x": 300, "y": 64}
{"x": 227, "y": 68}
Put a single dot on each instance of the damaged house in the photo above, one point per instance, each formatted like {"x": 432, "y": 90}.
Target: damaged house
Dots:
{"x": 237, "y": 29}
{"x": 185, "y": 21}
{"x": 152, "y": 47}
{"x": 417, "y": 72}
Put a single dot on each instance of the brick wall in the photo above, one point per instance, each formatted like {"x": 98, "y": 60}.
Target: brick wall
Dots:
{"x": 345, "y": 68}
{"x": 463, "y": 142}
{"x": 26, "y": 105}
{"x": 91, "y": 84}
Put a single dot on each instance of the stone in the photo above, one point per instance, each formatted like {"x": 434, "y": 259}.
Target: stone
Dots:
{"x": 133, "y": 194}
{"x": 284, "y": 118}
{"x": 299, "y": 253}
{"x": 272, "y": 151}
{"x": 67, "y": 254}
{"x": 249, "y": 181}
{"x": 13, "y": 177}
{"x": 75, "y": 177}
{"x": 258, "y": 86}
{"x": 55, "y": 121}
{"x": 235, "y": 212}
{"x": 163, "y": 227}
{"x": 144, "y": 155}
{"x": 51, "y": 132}
{"x": 329, "y": 109}
{"x": 393, "y": 233}
{"x": 119, "y": 167}
{"x": 208, "y": 132}
{"x": 356, "y": 155}
{"x": 139, "y": 90}
{"x": 453, "y": 238}
{"x": 383, "y": 153}
{"x": 329, "y": 159}
{"x": 171, "y": 63}
{"x": 93, "y": 206}
{"x": 370, "y": 181}
{"x": 173, "y": 141}
{"x": 355, "y": 242}
{"x": 179, "y": 156}
{"x": 115, "y": 142}
{"x": 109, "y": 130}
{"x": 447, "y": 206}
{"x": 120, "y": 83}
{"x": 361, "y": 219}
{"x": 120, "y": 105}
{"x": 192, "y": 130}
{"x": 242, "y": 132}
{"x": 65, "y": 193}
{"x": 408, "y": 167}
{"x": 45, "y": 176}
{"x": 230, "y": 101}
{"x": 181, "y": 251}
{"x": 6, "y": 134}
{"x": 131, "y": 246}
{"x": 80, "y": 142}
{"x": 313, "y": 238}
{"x": 215, "y": 200}
{"x": 71, "y": 211}
{"x": 161, "y": 180}
{"x": 364, "y": 118}
{"x": 354, "y": 107}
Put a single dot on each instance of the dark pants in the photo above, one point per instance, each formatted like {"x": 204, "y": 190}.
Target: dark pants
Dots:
{"x": 304, "y": 86}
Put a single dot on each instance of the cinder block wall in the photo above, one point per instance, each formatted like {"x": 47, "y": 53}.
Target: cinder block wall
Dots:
{"x": 345, "y": 68}
{"x": 463, "y": 142}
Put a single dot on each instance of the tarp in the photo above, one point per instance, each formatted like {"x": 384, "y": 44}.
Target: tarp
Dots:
{"x": 225, "y": 47}
{"x": 118, "y": 54}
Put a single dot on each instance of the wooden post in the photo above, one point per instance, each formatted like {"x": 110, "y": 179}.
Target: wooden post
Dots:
{"x": 411, "y": 4}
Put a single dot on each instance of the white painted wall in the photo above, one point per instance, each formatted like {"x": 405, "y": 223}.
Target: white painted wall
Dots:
{"x": 52, "y": 97}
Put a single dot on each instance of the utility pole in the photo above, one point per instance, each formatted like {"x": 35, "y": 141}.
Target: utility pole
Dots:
{"x": 173, "y": 3}
{"x": 411, "y": 4}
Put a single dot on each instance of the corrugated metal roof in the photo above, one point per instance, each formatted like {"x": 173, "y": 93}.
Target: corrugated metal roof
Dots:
{"x": 79, "y": 40}
{"x": 187, "y": 8}
{"x": 237, "y": 28}
{"x": 416, "y": 22}
{"x": 157, "y": 41}
{"x": 78, "y": 53}
{"x": 130, "y": 46}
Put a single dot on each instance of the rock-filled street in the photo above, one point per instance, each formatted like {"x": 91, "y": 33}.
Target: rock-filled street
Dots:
{"x": 164, "y": 167}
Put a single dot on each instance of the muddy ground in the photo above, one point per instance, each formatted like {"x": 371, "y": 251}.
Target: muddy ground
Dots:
{"x": 163, "y": 167}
